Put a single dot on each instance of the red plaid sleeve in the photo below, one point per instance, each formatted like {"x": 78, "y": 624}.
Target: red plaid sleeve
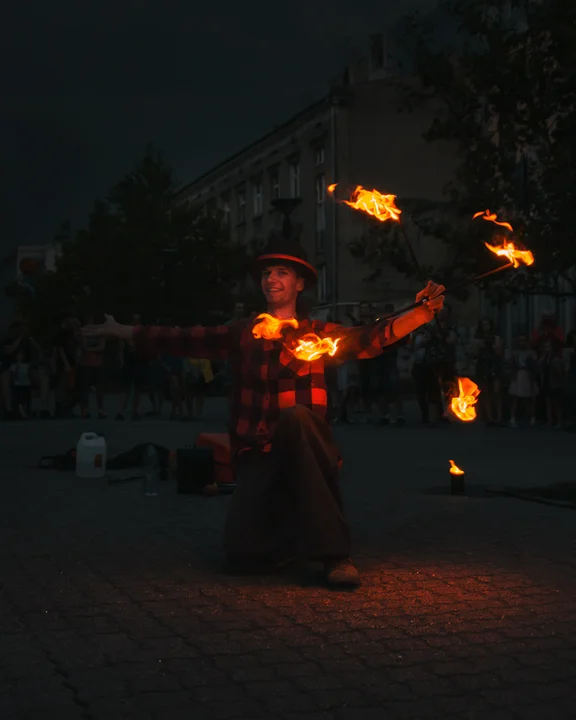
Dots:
{"x": 363, "y": 342}
{"x": 213, "y": 343}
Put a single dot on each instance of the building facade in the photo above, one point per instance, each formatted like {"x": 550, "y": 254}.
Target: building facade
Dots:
{"x": 353, "y": 136}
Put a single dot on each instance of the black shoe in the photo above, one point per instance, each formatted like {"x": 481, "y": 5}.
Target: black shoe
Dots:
{"x": 136, "y": 416}
{"x": 45, "y": 415}
{"x": 120, "y": 416}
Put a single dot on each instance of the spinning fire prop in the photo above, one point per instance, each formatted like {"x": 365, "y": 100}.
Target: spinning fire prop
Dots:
{"x": 308, "y": 347}
{"x": 463, "y": 404}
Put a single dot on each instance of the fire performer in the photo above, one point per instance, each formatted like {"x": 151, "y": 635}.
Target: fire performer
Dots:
{"x": 287, "y": 499}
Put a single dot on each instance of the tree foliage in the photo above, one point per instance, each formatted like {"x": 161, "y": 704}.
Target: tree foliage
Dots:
{"x": 141, "y": 252}
{"x": 502, "y": 75}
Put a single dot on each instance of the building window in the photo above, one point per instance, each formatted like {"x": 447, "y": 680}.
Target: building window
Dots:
{"x": 295, "y": 179}
{"x": 322, "y": 290}
{"x": 320, "y": 211}
{"x": 226, "y": 212}
{"x": 241, "y": 205}
{"x": 257, "y": 199}
{"x": 319, "y": 155}
{"x": 377, "y": 52}
{"x": 274, "y": 183}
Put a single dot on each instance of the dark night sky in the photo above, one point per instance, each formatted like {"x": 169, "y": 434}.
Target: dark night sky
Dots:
{"x": 85, "y": 85}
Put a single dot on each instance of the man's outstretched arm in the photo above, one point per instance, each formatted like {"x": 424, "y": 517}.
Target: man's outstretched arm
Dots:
{"x": 195, "y": 342}
{"x": 368, "y": 341}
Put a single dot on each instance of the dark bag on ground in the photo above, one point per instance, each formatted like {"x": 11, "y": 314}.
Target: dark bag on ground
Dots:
{"x": 129, "y": 459}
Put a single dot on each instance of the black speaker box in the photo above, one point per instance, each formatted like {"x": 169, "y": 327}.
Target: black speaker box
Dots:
{"x": 195, "y": 470}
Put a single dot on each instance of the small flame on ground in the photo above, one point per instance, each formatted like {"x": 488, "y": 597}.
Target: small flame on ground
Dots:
{"x": 270, "y": 327}
{"x": 462, "y": 405}
{"x": 454, "y": 469}
{"x": 492, "y": 217}
{"x": 372, "y": 202}
{"x": 515, "y": 256}
{"x": 311, "y": 347}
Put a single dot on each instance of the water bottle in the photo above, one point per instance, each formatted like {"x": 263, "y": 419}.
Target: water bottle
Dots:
{"x": 151, "y": 477}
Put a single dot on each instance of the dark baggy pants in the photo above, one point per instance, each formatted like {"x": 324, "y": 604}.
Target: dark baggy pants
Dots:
{"x": 289, "y": 498}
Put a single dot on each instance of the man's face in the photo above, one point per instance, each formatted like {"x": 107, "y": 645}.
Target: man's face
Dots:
{"x": 239, "y": 310}
{"x": 281, "y": 285}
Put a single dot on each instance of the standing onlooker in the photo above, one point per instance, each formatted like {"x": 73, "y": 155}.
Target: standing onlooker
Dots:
{"x": 369, "y": 369}
{"x": 552, "y": 376}
{"x": 523, "y": 386}
{"x": 134, "y": 375}
{"x": 90, "y": 371}
{"x": 390, "y": 389}
{"x": 441, "y": 351}
{"x": 197, "y": 375}
{"x": 547, "y": 329}
{"x": 67, "y": 351}
{"x": 487, "y": 350}
{"x": 425, "y": 379}
{"x": 18, "y": 339}
{"x": 21, "y": 384}
{"x": 156, "y": 384}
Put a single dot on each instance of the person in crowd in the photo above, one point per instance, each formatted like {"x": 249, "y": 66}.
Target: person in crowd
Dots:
{"x": 426, "y": 384}
{"x": 546, "y": 330}
{"x": 390, "y": 388}
{"x": 174, "y": 366}
{"x": 287, "y": 496}
{"x": 369, "y": 370}
{"x": 197, "y": 375}
{"x": 21, "y": 383}
{"x": 487, "y": 350}
{"x": 441, "y": 352}
{"x": 552, "y": 381}
{"x": 67, "y": 348}
{"x": 18, "y": 339}
{"x": 156, "y": 384}
{"x": 133, "y": 374}
{"x": 90, "y": 371}
{"x": 523, "y": 387}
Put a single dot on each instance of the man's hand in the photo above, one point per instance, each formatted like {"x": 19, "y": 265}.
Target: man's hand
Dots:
{"x": 434, "y": 299}
{"x": 109, "y": 329}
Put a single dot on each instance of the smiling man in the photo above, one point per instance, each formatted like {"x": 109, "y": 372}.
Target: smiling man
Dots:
{"x": 287, "y": 500}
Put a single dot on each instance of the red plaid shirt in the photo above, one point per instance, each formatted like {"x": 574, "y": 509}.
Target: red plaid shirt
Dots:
{"x": 266, "y": 377}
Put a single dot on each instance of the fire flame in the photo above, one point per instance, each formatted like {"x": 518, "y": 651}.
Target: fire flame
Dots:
{"x": 454, "y": 469}
{"x": 509, "y": 250}
{"x": 492, "y": 217}
{"x": 462, "y": 405}
{"x": 311, "y": 347}
{"x": 270, "y": 327}
{"x": 372, "y": 202}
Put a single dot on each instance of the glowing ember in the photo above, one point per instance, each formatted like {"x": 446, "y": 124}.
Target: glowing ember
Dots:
{"x": 492, "y": 217}
{"x": 462, "y": 405}
{"x": 454, "y": 469}
{"x": 515, "y": 256}
{"x": 311, "y": 347}
{"x": 372, "y": 202}
{"x": 270, "y": 327}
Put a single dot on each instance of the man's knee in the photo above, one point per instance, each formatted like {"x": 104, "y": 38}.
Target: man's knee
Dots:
{"x": 297, "y": 414}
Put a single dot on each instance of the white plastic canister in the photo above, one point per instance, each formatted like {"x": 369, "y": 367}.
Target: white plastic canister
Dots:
{"x": 91, "y": 456}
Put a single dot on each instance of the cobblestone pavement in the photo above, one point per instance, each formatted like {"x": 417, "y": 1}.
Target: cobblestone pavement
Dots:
{"x": 114, "y": 605}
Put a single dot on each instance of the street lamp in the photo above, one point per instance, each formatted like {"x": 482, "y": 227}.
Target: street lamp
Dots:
{"x": 286, "y": 207}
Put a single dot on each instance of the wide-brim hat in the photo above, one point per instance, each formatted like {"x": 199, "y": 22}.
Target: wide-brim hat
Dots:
{"x": 285, "y": 252}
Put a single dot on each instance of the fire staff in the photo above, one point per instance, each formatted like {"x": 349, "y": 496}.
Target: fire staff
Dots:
{"x": 287, "y": 500}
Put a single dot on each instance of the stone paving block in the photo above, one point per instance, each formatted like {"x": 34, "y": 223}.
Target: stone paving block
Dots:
{"x": 467, "y": 609}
